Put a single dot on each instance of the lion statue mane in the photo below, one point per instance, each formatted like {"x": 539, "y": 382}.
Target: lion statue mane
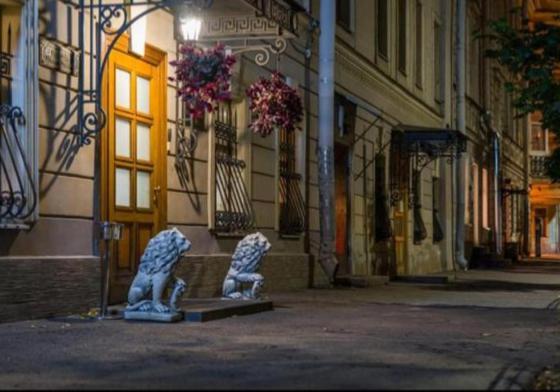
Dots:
{"x": 155, "y": 273}
{"x": 245, "y": 264}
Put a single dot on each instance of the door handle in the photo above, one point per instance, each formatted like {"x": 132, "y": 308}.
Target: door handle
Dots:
{"x": 157, "y": 191}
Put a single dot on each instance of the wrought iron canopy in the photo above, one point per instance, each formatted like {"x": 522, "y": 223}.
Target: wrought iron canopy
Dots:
{"x": 416, "y": 147}
{"x": 428, "y": 143}
{"x": 246, "y": 25}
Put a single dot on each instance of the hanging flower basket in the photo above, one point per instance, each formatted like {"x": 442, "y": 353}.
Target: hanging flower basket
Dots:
{"x": 274, "y": 104}
{"x": 204, "y": 77}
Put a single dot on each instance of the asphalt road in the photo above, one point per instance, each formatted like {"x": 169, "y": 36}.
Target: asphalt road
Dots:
{"x": 487, "y": 330}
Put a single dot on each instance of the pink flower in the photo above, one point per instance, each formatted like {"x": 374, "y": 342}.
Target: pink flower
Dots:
{"x": 203, "y": 77}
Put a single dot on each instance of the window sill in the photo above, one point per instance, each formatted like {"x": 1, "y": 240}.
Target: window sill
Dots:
{"x": 219, "y": 234}
{"x": 14, "y": 226}
{"x": 291, "y": 236}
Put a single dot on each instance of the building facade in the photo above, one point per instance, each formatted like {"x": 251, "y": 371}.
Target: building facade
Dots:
{"x": 150, "y": 167}
{"x": 544, "y": 193}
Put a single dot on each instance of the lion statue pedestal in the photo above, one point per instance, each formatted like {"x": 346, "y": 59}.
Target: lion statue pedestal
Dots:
{"x": 245, "y": 264}
{"x": 154, "y": 275}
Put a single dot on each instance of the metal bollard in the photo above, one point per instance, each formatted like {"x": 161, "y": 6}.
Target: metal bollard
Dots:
{"x": 109, "y": 232}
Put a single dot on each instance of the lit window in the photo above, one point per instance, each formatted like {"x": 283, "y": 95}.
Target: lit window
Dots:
{"x": 485, "y": 198}
{"x": 538, "y": 137}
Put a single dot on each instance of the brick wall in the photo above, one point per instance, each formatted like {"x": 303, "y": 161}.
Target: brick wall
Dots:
{"x": 32, "y": 288}
{"x": 205, "y": 274}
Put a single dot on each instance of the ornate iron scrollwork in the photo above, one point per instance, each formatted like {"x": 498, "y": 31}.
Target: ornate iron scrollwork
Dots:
{"x": 18, "y": 197}
{"x": 234, "y": 211}
{"x": 421, "y": 146}
{"x": 98, "y": 18}
{"x": 292, "y": 205}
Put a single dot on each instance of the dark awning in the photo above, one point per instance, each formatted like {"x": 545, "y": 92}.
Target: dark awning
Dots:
{"x": 428, "y": 140}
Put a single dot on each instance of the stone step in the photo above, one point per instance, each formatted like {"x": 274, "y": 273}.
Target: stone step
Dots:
{"x": 202, "y": 310}
{"x": 208, "y": 309}
{"x": 427, "y": 279}
{"x": 361, "y": 281}
{"x": 493, "y": 261}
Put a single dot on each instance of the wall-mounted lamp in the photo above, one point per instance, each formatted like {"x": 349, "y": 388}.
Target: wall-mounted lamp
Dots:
{"x": 190, "y": 27}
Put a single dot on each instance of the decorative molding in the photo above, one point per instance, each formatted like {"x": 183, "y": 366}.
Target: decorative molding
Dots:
{"x": 278, "y": 11}
{"x": 58, "y": 57}
{"x": 237, "y": 27}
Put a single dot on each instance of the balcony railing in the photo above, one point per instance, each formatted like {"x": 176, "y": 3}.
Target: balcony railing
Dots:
{"x": 539, "y": 166}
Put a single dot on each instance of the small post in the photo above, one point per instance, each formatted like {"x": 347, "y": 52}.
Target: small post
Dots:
{"x": 109, "y": 232}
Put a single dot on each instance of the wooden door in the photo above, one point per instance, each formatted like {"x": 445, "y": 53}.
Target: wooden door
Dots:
{"x": 341, "y": 156}
{"x": 134, "y": 158}
{"x": 400, "y": 174}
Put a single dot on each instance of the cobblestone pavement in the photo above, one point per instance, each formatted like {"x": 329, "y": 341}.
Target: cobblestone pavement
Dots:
{"x": 485, "y": 330}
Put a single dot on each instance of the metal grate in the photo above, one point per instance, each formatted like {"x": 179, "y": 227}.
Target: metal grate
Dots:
{"x": 292, "y": 206}
{"x": 234, "y": 211}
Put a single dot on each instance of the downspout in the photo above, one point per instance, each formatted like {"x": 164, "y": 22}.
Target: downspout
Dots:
{"x": 497, "y": 193}
{"x": 325, "y": 145}
{"x": 497, "y": 227}
{"x": 527, "y": 178}
{"x": 461, "y": 126}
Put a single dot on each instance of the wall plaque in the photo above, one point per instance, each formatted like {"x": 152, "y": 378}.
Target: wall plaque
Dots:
{"x": 59, "y": 57}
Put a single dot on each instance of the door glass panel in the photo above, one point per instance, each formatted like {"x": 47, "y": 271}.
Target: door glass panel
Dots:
{"x": 122, "y": 187}
{"x": 122, "y": 89}
{"x": 143, "y": 142}
{"x": 122, "y": 138}
{"x": 142, "y": 94}
{"x": 143, "y": 189}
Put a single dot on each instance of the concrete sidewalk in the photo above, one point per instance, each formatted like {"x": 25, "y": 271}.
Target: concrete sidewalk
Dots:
{"x": 486, "y": 330}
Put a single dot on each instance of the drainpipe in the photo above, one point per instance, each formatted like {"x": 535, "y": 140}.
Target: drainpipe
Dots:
{"x": 461, "y": 126}
{"x": 497, "y": 193}
{"x": 325, "y": 145}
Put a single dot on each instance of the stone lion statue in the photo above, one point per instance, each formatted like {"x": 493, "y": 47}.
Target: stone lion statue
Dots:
{"x": 155, "y": 274}
{"x": 245, "y": 264}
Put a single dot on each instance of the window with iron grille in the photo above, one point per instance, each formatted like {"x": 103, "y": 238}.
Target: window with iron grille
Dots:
{"x": 233, "y": 208}
{"x": 292, "y": 205}
{"x": 382, "y": 220}
{"x": 18, "y": 117}
{"x": 438, "y": 233}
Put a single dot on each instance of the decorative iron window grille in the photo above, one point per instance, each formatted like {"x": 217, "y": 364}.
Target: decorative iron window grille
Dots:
{"x": 292, "y": 205}
{"x": 234, "y": 211}
{"x": 18, "y": 87}
{"x": 420, "y": 232}
{"x": 438, "y": 233}
{"x": 382, "y": 220}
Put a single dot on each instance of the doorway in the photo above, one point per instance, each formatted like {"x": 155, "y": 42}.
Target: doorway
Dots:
{"x": 400, "y": 176}
{"x": 342, "y": 207}
{"x": 133, "y": 157}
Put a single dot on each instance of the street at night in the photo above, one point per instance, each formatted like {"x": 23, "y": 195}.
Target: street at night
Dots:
{"x": 485, "y": 330}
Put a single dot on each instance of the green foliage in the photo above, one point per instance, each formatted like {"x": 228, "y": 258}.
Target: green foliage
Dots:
{"x": 531, "y": 55}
